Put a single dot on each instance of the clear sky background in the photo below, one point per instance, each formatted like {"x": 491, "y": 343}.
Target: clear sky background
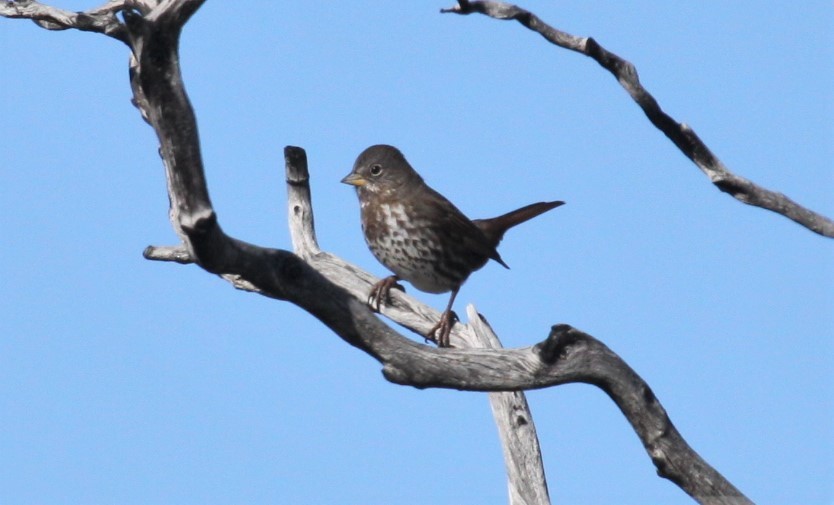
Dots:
{"x": 124, "y": 381}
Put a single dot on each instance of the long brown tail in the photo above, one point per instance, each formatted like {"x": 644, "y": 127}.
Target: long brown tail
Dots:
{"x": 495, "y": 227}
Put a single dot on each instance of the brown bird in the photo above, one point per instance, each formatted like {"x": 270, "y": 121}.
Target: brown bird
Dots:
{"x": 420, "y": 235}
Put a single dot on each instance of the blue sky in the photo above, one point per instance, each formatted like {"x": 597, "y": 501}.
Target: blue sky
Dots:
{"x": 134, "y": 382}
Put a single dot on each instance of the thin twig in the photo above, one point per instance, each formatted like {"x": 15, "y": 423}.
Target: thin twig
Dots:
{"x": 680, "y": 134}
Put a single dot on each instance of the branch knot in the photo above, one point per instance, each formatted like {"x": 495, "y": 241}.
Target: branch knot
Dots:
{"x": 555, "y": 346}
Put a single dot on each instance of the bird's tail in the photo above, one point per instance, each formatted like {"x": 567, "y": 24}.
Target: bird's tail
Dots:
{"x": 495, "y": 227}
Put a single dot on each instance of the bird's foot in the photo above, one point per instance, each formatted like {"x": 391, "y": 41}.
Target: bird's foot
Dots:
{"x": 380, "y": 291}
{"x": 440, "y": 333}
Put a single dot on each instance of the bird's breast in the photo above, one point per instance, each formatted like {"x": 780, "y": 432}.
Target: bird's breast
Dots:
{"x": 407, "y": 246}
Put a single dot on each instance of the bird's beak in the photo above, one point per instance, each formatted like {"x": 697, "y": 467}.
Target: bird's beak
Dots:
{"x": 354, "y": 180}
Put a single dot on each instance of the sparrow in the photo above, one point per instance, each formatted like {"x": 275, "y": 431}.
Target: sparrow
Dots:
{"x": 421, "y": 236}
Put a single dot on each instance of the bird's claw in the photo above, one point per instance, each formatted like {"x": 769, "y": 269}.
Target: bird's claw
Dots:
{"x": 381, "y": 290}
{"x": 441, "y": 331}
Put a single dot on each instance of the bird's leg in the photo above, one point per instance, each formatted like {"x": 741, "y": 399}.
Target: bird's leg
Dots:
{"x": 440, "y": 332}
{"x": 380, "y": 290}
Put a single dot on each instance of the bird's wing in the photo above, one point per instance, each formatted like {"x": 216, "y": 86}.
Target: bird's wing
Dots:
{"x": 471, "y": 240}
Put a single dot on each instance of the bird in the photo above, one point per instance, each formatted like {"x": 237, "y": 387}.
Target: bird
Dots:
{"x": 419, "y": 235}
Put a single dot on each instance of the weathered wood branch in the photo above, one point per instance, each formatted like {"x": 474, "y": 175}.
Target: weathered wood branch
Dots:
{"x": 100, "y": 20}
{"x": 519, "y": 441}
{"x": 334, "y": 291}
{"x": 684, "y": 138}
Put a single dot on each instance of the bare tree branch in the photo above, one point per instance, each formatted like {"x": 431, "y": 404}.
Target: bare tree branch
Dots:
{"x": 178, "y": 254}
{"x": 334, "y": 291}
{"x": 680, "y": 134}
{"x": 101, "y": 20}
{"x": 522, "y": 452}
{"x": 300, "y": 203}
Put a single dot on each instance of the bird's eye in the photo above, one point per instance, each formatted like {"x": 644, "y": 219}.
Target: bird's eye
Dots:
{"x": 376, "y": 170}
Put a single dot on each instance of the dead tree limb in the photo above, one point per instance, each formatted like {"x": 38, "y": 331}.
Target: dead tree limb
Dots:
{"x": 334, "y": 291}
{"x": 684, "y": 138}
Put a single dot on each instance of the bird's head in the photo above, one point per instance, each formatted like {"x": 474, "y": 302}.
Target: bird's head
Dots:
{"x": 382, "y": 170}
